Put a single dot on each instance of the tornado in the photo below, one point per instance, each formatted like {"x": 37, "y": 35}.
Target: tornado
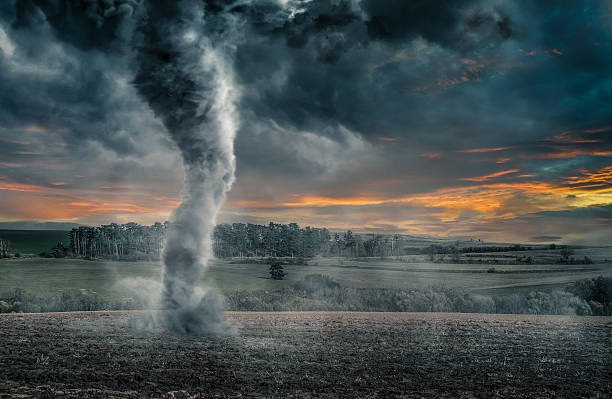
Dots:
{"x": 183, "y": 71}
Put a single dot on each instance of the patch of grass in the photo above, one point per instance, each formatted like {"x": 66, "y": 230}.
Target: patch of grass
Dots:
{"x": 34, "y": 241}
{"x": 56, "y": 276}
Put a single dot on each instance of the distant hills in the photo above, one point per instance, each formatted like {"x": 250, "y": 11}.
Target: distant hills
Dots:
{"x": 34, "y": 225}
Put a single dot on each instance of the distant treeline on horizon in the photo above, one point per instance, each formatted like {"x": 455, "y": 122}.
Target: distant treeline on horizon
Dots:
{"x": 134, "y": 241}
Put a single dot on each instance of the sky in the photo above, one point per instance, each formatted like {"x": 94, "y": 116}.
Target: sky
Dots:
{"x": 485, "y": 119}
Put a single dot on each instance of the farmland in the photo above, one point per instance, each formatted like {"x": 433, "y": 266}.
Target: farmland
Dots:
{"x": 309, "y": 354}
{"x": 107, "y": 278}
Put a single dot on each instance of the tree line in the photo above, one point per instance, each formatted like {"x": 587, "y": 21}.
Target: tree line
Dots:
{"x": 117, "y": 241}
{"x": 133, "y": 241}
{"x": 273, "y": 240}
{"x": 5, "y": 248}
{"x": 239, "y": 240}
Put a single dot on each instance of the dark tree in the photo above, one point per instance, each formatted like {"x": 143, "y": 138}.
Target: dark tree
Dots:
{"x": 276, "y": 270}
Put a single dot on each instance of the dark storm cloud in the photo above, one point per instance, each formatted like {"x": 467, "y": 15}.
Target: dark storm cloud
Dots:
{"x": 57, "y": 79}
{"x": 450, "y": 22}
{"x": 313, "y": 40}
{"x": 336, "y": 60}
{"x": 337, "y": 96}
{"x": 84, "y": 23}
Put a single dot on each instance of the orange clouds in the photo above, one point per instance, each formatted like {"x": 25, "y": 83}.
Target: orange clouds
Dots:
{"x": 117, "y": 187}
{"x": 571, "y": 138}
{"x": 481, "y": 150}
{"x": 599, "y": 130}
{"x": 566, "y": 152}
{"x": 601, "y": 178}
{"x": 59, "y": 201}
{"x": 20, "y": 187}
{"x": 387, "y": 139}
{"x": 506, "y": 200}
{"x": 327, "y": 201}
{"x": 109, "y": 208}
{"x": 491, "y": 176}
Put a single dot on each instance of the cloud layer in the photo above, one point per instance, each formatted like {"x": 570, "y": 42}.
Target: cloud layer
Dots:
{"x": 442, "y": 118}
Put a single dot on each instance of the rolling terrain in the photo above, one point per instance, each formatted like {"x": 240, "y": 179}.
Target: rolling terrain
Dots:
{"x": 111, "y": 279}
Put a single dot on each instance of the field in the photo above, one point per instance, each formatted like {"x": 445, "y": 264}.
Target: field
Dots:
{"x": 34, "y": 241}
{"x": 309, "y": 354}
{"x": 116, "y": 279}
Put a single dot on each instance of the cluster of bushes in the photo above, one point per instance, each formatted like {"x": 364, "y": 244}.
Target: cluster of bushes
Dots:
{"x": 20, "y": 301}
{"x": 596, "y": 292}
{"x": 318, "y": 292}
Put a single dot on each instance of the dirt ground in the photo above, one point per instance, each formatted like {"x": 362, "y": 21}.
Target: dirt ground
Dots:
{"x": 335, "y": 354}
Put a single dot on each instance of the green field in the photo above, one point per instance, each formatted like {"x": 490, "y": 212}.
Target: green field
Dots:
{"x": 113, "y": 279}
{"x": 34, "y": 241}
{"x": 129, "y": 279}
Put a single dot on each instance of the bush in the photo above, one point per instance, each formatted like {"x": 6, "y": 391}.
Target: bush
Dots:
{"x": 597, "y": 292}
{"x": 320, "y": 292}
{"x": 20, "y": 301}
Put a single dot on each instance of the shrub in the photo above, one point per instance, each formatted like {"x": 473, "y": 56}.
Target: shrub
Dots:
{"x": 597, "y": 292}
{"x": 276, "y": 270}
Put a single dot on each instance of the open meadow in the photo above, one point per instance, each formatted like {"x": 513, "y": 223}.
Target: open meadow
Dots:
{"x": 111, "y": 279}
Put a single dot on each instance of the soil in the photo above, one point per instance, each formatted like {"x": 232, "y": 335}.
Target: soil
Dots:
{"x": 309, "y": 354}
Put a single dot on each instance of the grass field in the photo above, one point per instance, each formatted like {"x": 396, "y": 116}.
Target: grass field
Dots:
{"x": 113, "y": 279}
{"x": 119, "y": 279}
{"x": 34, "y": 241}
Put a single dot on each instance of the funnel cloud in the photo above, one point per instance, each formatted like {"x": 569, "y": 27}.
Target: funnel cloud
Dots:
{"x": 183, "y": 73}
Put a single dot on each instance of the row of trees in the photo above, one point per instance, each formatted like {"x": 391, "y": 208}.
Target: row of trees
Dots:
{"x": 5, "y": 248}
{"x": 133, "y": 241}
{"x": 370, "y": 245}
{"x": 273, "y": 240}
{"x": 119, "y": 241}
{"x": 289, "y": 240}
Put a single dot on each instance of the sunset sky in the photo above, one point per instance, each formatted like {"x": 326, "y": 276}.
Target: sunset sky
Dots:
{"x": 455, "y": 118}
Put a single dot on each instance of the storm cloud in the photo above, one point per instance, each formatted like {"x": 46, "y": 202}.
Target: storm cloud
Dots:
{"x": 339, "y": 99}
